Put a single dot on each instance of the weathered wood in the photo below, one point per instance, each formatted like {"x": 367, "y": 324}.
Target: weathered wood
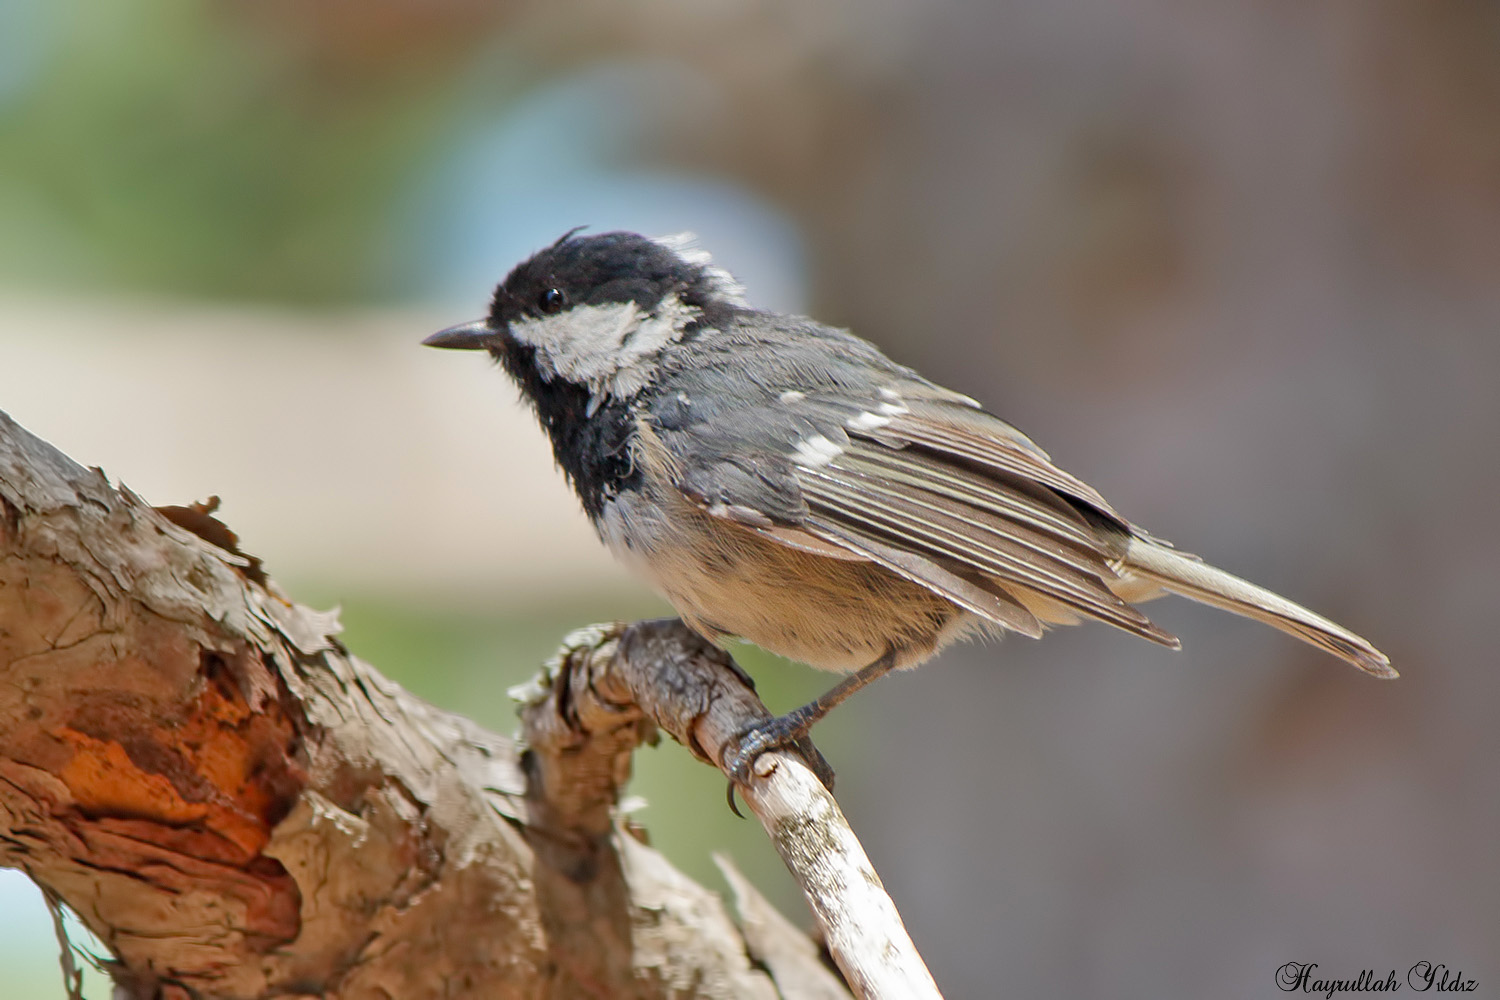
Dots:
{"x": 239, "y": 808}
{"x": 608, "y": 680}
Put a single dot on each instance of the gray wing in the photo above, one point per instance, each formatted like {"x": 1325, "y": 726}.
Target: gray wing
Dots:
{"x": 904, "y": 474}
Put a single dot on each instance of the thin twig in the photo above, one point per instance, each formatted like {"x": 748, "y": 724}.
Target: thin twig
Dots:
{"x": 609, "y": 683}
{"x": 792, "y": 958}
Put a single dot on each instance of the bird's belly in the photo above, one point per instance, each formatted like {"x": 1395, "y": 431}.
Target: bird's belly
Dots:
{"x": 726, "y": 580}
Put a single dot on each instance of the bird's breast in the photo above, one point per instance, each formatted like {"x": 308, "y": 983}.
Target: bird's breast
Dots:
{"x": 726, "y": 580}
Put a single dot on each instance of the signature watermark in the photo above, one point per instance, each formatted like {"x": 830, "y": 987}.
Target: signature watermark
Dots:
{"x": 1304, "y": 977}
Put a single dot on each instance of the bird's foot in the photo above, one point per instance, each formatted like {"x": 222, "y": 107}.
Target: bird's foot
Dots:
{"x": 781, "y": 732}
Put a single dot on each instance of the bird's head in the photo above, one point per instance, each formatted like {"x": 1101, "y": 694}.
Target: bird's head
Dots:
{"x": 595, "y": 312}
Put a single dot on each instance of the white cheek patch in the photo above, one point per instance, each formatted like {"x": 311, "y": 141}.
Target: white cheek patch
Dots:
{"x": 816, "y": 451}
{"x": 603, "y": 346}
{"x": 581, "y": 344}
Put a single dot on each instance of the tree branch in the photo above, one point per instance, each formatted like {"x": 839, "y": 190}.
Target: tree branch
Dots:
{"x": 239, "y": 808}
{"x": 586, "y": 712}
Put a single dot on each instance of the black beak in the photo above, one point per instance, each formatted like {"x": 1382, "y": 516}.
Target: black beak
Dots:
{"x": 475, "y": 336}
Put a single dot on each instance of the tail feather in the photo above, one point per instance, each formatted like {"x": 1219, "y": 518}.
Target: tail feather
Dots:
{"x": 1186, "y": 575}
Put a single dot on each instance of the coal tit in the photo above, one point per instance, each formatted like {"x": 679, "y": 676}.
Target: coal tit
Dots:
{"x": 784, "y": 482}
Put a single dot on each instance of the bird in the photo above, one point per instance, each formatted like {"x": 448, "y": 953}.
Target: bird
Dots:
{"x": 782, "y": 481}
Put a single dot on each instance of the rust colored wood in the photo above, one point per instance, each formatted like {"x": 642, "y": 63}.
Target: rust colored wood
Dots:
{"x": 239, "y": 808}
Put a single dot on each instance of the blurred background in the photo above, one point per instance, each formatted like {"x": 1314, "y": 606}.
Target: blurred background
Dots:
{"x": 1238, "y": 266}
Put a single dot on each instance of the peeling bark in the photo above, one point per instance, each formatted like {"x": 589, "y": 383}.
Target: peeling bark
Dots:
{"x": 583, "y": 715}
{"x": 239, "y": 808}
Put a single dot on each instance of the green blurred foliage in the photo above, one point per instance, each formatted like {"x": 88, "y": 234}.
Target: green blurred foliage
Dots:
{"x": 205, "y": 150}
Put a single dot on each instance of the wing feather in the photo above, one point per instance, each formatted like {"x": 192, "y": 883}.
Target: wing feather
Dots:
{"x": 822, "y": 538}
{"x": 961, "y": 435}
{"x": 995, "y": 606}
{"x": 933, "y": 490}
{"x": 871, "y": 506}
{"x": 972, "y": 531}
{"x": 1058, "y": 531}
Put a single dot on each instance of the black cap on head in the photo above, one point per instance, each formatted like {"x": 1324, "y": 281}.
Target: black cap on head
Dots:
{"x": 604, "y": 269}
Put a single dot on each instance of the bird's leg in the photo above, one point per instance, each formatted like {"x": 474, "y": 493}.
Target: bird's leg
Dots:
{"x": 791, "y": 729}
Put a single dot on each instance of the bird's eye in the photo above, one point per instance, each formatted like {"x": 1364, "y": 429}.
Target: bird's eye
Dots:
{"x": 550, "y": 301}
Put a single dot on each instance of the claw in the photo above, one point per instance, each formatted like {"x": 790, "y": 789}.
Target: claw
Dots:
{"x": 729, "y": 795}
{"x": 782, "y": 732}
{"x": 789, "y": 731}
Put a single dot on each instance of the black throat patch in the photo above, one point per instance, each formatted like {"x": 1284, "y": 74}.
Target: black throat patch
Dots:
{"x": 592, "y": 451}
